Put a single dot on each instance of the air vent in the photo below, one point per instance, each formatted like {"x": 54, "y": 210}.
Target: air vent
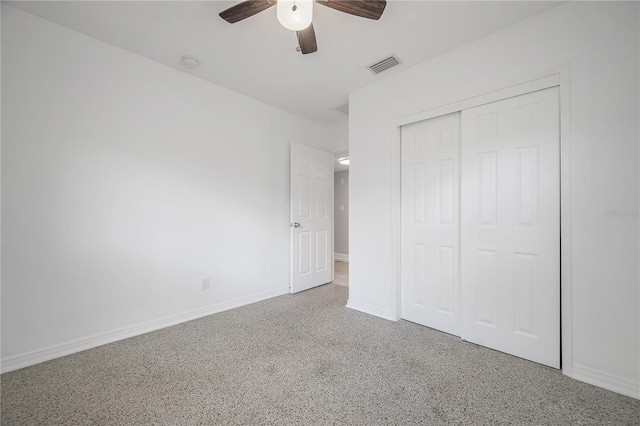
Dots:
{"x": 384, "y": 64}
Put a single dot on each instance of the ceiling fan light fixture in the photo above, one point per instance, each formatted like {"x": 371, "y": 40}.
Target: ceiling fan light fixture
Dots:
{"x": 295, "y": 15}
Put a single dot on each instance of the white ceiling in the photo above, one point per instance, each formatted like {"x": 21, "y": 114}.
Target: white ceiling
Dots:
{"x": 257, "y": 56}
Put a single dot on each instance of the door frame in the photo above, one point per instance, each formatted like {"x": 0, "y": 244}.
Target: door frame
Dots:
{"x": 554, "y": 77}
{"x": 333, "y": 216}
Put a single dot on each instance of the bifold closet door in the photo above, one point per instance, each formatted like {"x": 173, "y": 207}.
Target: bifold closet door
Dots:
{"x": 510, "y": 226}
{"x": 430, "y": 223}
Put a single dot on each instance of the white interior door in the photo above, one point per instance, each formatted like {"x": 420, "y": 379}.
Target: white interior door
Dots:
{"x": 510, "y": 226}
{"x": 430, "y": 223}
{"x": 311, "y": 217}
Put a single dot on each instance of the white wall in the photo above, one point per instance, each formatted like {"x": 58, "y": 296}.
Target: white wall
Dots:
{"x": 124, "y": 183}
{"x": 599, "y": 41}
{"x": 338, "y": 134}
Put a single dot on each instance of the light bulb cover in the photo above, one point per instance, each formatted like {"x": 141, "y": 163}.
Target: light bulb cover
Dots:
{"x": 344, "y": 161}
{"x": 295, "y": 18}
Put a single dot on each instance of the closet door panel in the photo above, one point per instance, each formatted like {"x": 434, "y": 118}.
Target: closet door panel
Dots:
{"x": 510, "y": 226}
{"x": 430, "y": 223}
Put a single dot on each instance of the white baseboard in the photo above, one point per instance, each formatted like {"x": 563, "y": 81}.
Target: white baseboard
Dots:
{"x": 57, "y": 351}
{"x": 341, "y": 256}
{"x": 371, "y": 310}
{"x": 607, "y": 381}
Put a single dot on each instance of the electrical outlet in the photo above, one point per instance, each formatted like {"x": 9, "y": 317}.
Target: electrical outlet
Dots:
{"x": 206, "y": 284}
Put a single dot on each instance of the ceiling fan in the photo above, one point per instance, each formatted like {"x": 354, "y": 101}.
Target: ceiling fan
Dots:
{"x": 296, "y": 15}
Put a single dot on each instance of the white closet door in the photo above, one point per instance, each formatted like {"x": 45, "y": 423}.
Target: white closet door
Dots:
{"x": 430, "y": 223}
{"x": 510, "y": 228}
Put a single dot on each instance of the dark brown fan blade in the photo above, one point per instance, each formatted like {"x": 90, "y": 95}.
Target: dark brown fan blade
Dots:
{"x": 245, "y": 9}
{"x": 307, "y": 40}
{"x": 371, "y": 9}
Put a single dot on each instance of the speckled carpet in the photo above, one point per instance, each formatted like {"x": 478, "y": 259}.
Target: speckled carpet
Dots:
{"x": 301, "y": 359}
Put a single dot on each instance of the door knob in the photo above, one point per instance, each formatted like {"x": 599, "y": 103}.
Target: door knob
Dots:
{"x": 295, "y": 225}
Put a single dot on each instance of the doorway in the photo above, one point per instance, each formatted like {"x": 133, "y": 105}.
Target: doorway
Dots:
{"x": 481, "y": 225}
{"x": 341, "y": 217}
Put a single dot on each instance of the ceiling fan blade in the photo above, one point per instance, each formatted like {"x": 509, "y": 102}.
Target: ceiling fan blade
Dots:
{"x": 245, "y": 9}
{"x": 307, "y": 40}
{"x": 371, "y": 9}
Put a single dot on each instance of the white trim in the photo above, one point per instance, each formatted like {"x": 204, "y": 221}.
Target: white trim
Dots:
{"x": 558, "y": 76}
{"x": 52, "y": 352}
{"x": 539, "y": 81}
{"x": 566, "y": 280}
{"x": 396, "y": 225}
{"x": 333, "y": 220}
{"x": 371, "y": 310}
{"x": 607, "y": 381}
{"x": 341, "y": 256}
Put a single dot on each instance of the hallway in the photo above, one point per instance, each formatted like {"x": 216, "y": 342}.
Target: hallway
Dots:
{"x": 341, "y": 273}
